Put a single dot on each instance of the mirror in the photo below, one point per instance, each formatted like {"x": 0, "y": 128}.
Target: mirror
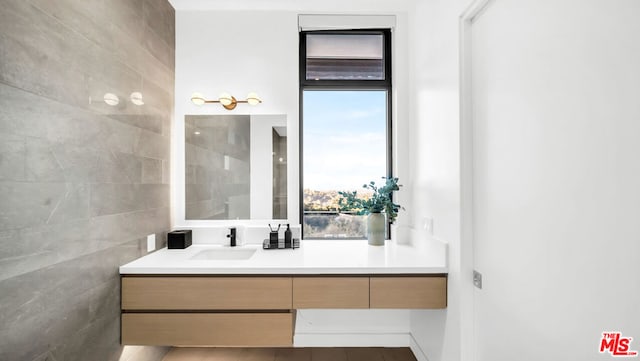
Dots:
{"x": 235, "y": 167}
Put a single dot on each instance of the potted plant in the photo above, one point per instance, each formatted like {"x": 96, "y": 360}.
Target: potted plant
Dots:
{"x": 378, "y": 206}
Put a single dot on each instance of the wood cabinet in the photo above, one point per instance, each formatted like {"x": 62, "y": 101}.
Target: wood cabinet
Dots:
{"x": 405, "y": 291}
{"x": 256, "y": 310}
{"x": 206, "y": 293}
{"x": 207, "y": 311}
{"x": 408, "y": 292}
{"x": 330, "y": 292}
{"x": 204, "y": 329}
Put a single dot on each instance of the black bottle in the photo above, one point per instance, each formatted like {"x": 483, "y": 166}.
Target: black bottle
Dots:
{"x": 287, "y": 237}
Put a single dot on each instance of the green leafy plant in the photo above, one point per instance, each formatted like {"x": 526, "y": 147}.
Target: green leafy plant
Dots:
{"x": 379, "y": 201}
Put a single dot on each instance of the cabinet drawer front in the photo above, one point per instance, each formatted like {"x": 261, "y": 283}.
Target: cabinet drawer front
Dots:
{"x": 330, "y": 292}
{"x": 207, "y": 329}
{"x": 206, "y": 293}
{"x": 409, "y": 292}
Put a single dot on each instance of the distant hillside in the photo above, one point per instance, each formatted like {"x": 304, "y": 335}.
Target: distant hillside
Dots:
{"x": 325, "y": 200}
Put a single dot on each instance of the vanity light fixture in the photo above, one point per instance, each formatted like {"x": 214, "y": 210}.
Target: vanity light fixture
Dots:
{"x": 227, "y": 100}
{"x": 113, "y": 100}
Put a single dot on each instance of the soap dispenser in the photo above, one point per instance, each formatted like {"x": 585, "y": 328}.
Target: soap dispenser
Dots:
{"x": 287, "y": 237}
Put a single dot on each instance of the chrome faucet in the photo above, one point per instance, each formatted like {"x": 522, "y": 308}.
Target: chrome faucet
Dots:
{"x": 232, "y": 236}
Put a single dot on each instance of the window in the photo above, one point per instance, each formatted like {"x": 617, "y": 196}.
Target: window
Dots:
{"x": 344, "y": 57}
{"x": 345, "y": 128}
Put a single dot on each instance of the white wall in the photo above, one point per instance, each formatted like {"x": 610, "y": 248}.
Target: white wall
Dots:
{"x": 435, "y": 177}
{"x": 253, "y": 46}
{"x": 244, "y": 50}
{"x": 556, "y": 99}
{"x": 429, "y": 120}
{"x": 237, "y": 52}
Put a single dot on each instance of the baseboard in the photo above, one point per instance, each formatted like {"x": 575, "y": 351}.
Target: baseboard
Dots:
{"x": 416, "y": 349}
{"x": 352, "y": 340}
{"x": 360, "y": 340}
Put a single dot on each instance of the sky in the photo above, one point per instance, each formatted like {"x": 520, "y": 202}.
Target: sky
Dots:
{"x": 344, "y": 139}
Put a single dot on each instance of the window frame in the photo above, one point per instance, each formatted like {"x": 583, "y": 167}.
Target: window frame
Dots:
{"x": 344, "y": 85}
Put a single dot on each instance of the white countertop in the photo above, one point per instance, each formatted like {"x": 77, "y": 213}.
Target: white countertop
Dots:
{"x": 313, "y": 257}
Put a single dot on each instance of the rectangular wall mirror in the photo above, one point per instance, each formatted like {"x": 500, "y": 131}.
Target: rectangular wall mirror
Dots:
{"x": 235, "y": 167}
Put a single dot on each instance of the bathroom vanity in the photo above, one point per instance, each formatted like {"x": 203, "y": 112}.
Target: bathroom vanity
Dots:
{"x": 211, "y": 295}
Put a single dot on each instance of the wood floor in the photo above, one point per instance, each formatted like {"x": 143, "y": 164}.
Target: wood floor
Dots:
{"x": 291, "y": 354}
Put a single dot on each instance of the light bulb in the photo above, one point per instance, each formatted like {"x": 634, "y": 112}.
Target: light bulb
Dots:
{"x": 197, "y": 98}
{"x": 111, "y": 99}
{"x": 225, "y": 99}
{"x": 253, "y": 99}
{"x": 136, "y": 98}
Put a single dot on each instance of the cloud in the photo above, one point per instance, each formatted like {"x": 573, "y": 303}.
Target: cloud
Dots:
{"x": 344, "y": 167}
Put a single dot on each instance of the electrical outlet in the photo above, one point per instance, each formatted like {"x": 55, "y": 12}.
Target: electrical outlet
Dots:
{"x": 151, "y": 242}
{"x": 477, "y": 279}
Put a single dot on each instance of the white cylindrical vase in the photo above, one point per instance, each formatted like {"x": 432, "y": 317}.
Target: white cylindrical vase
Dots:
{"x": 376, "y": 229}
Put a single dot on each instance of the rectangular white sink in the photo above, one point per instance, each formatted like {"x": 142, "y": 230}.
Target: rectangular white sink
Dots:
{"x": 224, "y": 254}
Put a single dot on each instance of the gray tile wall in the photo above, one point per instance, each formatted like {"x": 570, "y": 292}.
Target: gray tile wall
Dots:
{"x": 211, "y": 191}
{"x": 82, "y": 183}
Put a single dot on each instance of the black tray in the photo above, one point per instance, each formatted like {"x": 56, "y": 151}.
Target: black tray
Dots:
{"x": 281, "y": 245}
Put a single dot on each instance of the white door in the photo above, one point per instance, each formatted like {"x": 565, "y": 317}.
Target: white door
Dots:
{"x": 555, "y": 99}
